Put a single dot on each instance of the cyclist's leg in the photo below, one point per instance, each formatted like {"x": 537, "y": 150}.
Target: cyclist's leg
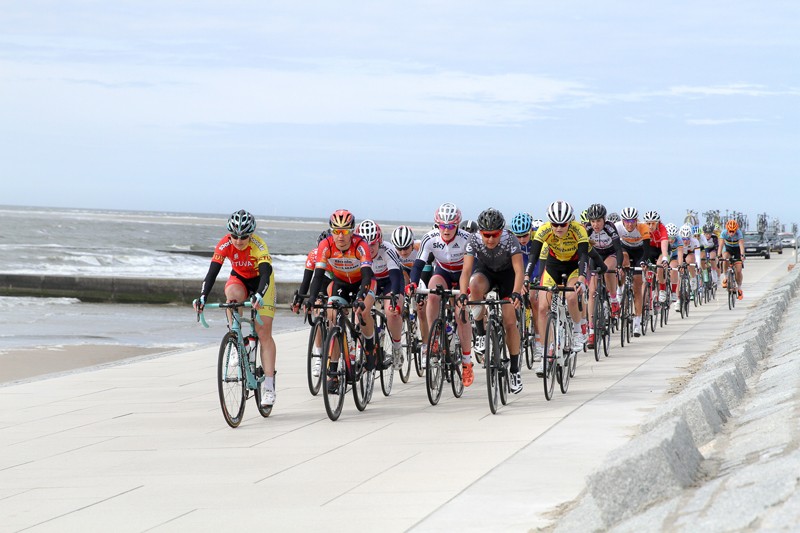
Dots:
{"x": 478, "y": 287}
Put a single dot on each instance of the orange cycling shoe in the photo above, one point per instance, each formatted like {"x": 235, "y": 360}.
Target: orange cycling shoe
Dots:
{"x": 466, "y": 374}
{"x": 724, "y": 283}
{"x": 741, "y": 295}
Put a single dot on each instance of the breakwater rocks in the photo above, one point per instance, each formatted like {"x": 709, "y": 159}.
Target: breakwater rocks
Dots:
{"x": 120, "y": 290}
{"x": 722, "y": 454}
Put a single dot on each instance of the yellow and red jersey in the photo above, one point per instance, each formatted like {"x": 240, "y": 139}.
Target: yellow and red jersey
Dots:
{"x": 346, "y": 264}
{"x": 244, "y": 262}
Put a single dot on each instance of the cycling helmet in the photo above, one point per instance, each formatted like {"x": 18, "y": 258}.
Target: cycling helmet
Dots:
{"x": 652, "y": 216}
{"x": 596, "y": 211}
{"x": 559, "y": 212}
{"x": 325, "y": 234}
{"x": 470, "y": 226}
{"x": 447, "y": 214}
{"x": 708, "y": 228}
{"x": 342, "y": 219}
{"x": 402, "y": 237}
{"x": 491, "y": 220}
{"x": 370, "y": 231}
{"x": 672, "y": 230}
{"x": 613, "y": 218}
{"x": 629, "y": 213}
{"x": 521, "y": 224}
{"x": 241, "y": 223}
{"x": 685, "y": 231}
{"x": 584, "y": 217}
{"x": 731, "y": 226}
{"x": 696, "y": 230}
{"x": 536, "y": 223}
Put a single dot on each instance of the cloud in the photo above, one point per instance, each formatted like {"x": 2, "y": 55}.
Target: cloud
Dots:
{"x": 719, "y": 122}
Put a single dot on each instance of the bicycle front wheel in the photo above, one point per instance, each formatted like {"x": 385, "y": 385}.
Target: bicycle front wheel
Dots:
{"x": 549, "y": 357}
{"x": 411, "y": 346}
{"x": 363, "y": 379}
{"x": 435, "y": 365}
{"x": 383, "y": 346}
{"x": 504, "y": 364}
{"x": 492, "y": 364}
{"x": 230, "y": 380}
{"x": 316, "y": 339}
{"x": 335, "y": 381}
{"x": 456, "y": 379}
{"x": 263, "y": 410}
{"x": 599, "y": 324}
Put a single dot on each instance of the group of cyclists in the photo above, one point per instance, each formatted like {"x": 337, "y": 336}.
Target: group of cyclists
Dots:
{"x": 354, "y": 264}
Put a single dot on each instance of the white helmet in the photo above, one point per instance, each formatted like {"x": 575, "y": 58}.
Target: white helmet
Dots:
{"x": 629, "y": 213}
{"x": 652, "y": 216}
{"x": 447, "y": 214}
{"x": 685, "y": 231}
{"x": 672, "y": 229}
{"x": 537, "y": 222}
{"x": 402, "y": 237}
{"x": 559, "y": 212}
{"x": 370, "y": 231}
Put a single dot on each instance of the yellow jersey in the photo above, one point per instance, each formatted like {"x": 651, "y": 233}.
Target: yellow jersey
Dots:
{"x": 562, "y": 249}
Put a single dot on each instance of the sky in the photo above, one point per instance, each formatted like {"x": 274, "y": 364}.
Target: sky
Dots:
{"x": 388, "y": 109}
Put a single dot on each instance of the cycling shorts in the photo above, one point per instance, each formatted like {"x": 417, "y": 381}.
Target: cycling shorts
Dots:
{"x": 251, "y": 286}
{"x": 502, "y": 281}
{"x": 736, "y": 253}
{"x": 450, "y": 277}
{"x": 347, "y": 291}
{"x": 554, "y": 270}
{"x": 636, "y": 255}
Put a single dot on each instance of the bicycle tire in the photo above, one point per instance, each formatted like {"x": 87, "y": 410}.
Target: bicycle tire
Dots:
{"x": 599, "y": 323}
{"x": 629, "y": 322}
{"x": 549, "y": 357}
{"x": 263, "y": 410}
{"x": 607, "y": 328}
{"x": 647, "y": 302}
{"x": 411, "y": 346}
{"x": 387, "y": 372}
{"x": 434, "y": 367}
{"x": 363, "y": 379}
{"x": 623, "y": 319}
{"x": 456, "y": 379}
{"x": 318, "y": 328}
{"x": 565, "y": 372}
{"x": 232, "y": 389}
{"x": 334, "y": 401}
{"x": 503, "y": 369}
{"x": 492, "y": 362}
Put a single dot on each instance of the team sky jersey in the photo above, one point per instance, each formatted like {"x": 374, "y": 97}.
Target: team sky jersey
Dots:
{"x": 408, "y": 262}
{"x": 245, "y": 262}
{"x": 345, "y": 265}
{"x": 635, "y": 238}
{"x": 732, "y": 241}
{"x": 385, "y": 260}
{"x": 604, "y": 239}
{"x": 497, "y": 258}
{"x": 565, "y": 248}
{"x": 448, "y": 255}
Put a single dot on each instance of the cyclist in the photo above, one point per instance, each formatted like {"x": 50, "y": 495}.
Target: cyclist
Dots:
{"x": 494, "y": 260}
{"x": 604, "y": 238}
{"x": 348, "y": 258}
{"x": 691, "y": 253}
{"x": 635, "y": 239}
{"x": 448, "y": 244}
{"x": 251, "y": 277}
{"x": 658, "y": 250}
{"x": 731, "y": 248}
{"x": 711, "y": 250}
{"x": 389, "y": 281}
{"x": 568, "y": 252}
{"x": 675, "y": 244}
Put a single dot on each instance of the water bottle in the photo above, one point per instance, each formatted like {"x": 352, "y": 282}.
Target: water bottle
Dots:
{"x": 448, "y": 328}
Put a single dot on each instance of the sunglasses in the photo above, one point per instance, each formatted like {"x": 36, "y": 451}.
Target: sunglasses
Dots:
{"x": 341, "y": 231}
{"x": 563, "y": 225}
{"x": 629, "y": 220}
{"x": 410, "y": 246}
{"x": 491, "y": 234}
{"x": 448, "y": 226}
{"x": 239, "y": 237}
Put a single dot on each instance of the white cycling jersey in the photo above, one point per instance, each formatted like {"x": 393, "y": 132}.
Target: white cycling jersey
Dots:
{"x": 448, "y": 255}
{"x": 385, "y": 260}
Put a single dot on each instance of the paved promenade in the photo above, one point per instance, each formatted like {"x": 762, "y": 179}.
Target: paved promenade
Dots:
{"x": 142, "y": 446}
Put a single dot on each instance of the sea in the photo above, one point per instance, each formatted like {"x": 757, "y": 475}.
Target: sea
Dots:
{"x": 141, "y": 244}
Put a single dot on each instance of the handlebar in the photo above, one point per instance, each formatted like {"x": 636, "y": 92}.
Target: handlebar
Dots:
{"x": 227, "y": 305}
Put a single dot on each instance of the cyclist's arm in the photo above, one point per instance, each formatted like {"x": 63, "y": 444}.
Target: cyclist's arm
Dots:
{"x": 396, "y": 280}
{"x": 366, "y": 278}
{"x": 617, "y": 249}
{"x": 741, "y": 248}
{"x": 665, "y": 248}
{"x": 697, "y": 255}
{"x": 583, "y": 257}
{"x": 519, "y": 272}
{"x": 306, "y": 283}
{"x": 416, "y": 270}
{"x": 316, "y": 283}
{"x": 533, "y": 257}
{"x": 264, "y": 273}
{"x": 595, "y": 256}
{"x": 211, "y": 277}
{"x": 466, "y": 272}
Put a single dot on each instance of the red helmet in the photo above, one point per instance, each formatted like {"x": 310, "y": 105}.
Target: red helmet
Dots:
{"x": 342, "y": 219}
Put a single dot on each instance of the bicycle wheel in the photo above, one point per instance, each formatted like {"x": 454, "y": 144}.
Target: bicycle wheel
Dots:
{"x": 317, "y": 334}
{"x": 549, "y": 357}
{"x": 334, "y": 396}
{"x": 232, "y": 389}
{"x": 411, "y": 347}
{"x": 434, "y": 369}
{"x": 565, "y": 372}
{"x": 525, "y": 350}
{"x": 606, "y": 326}
{"x": 647, "y": 301}
{"x": 263, "y": 410}
{"x": 623, "y": 319}
{"x": 503, "y": 369}
{"x": 492, "y": 358}
{"x": 362, "y": 378}
{"x": 599, "y": 324}
{"x": 418, "y": 366}
{"x": 629, "y": 322}
{"x": 382, "y": 347}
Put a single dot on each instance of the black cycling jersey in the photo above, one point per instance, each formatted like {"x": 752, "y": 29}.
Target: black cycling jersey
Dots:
{"x": 497, "y": 258}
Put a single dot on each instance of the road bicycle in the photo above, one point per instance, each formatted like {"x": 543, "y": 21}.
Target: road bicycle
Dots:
{"x": 684, "y": 289}
{"x": 316, "y": 338}
{"x": 601, "y": 314}
{"x": 344, "y": 361}
{"x": 444, "y": 348}
{"x": 239, "y": 373}
{"x": 560, "y": 358}
{"x": 412, "y": 340}
{"x": 526, "y": 332}
{"x": 627, "y": 308}
{"x": 383, "y": 346}
{"x": 496, "y": 360}
{"x": 732, "y": 286}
